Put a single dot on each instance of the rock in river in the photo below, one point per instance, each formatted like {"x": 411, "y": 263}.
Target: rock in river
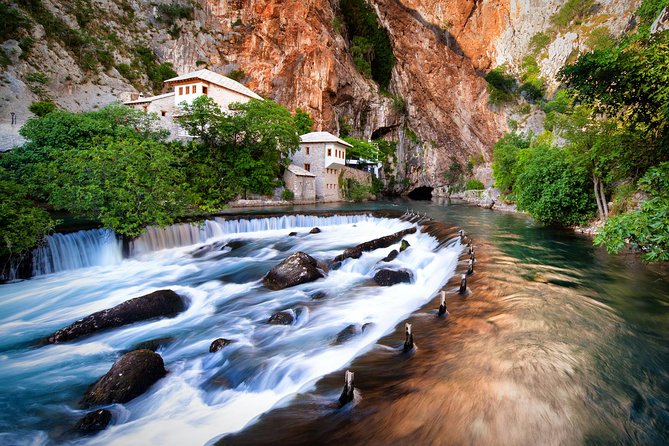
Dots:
{"x": 130, "y": 376}
{"x": 219, "y": 344}
{"x": 162, "y": 303}
{"x": 94, "y": 421}
{"x": 296, "y": 269}
{"x": 281, "y": 318}
{"x": 390, "y": 277}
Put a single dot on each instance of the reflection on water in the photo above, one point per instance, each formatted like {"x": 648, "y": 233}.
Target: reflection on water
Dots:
{"x": 558, "y": 343}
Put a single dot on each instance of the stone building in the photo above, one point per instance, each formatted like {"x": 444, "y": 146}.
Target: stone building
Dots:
{"x": 324, "y": 155}
{"x": 301, "y": 183}
{"x": 185, "y": 89}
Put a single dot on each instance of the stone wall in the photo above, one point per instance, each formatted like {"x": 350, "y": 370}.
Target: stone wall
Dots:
{"x": 302, "y": 187}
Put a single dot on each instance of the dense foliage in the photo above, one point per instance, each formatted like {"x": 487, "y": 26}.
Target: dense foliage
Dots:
{"x": 22, "y": 224}
{"x": 505, "y": 160}
{"x": 362, "y": 150}
{"x": 646, "y": 229}
{"x": 369, "y": 42}
{"x": 241, "y": 152}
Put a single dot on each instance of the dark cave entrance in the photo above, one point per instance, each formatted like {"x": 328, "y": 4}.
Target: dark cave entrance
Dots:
{"x": 421, "y": 193}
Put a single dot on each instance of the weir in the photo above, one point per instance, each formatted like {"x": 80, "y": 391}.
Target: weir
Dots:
{"x": 102, "y": 247}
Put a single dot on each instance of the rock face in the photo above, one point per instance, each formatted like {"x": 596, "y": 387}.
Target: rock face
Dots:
{"x": 94, "y": 421}
{"x": 296, "y": 269}
{"x": 162, "y": 303}
{"x": 130, "y": 376}
{"x": 382, "y": 242}
{"x": 390, "y": 277}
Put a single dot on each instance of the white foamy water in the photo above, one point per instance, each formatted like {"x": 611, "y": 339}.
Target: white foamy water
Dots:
{"x": 205, "y": 395}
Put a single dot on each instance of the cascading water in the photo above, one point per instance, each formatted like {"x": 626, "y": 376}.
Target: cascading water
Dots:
{"x": 206, "y": 395}
{"x": 62, "y": 252}
{"x": 101, "y": 247}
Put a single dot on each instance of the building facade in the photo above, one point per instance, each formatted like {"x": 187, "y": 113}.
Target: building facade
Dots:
{"x": 301, "y": 183}
{"x": 185, "y": 89}
{"x": 324, "y": 155}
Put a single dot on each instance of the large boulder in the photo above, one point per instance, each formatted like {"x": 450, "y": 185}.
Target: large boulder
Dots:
{"x": 390, "y": 277}
{"x": 281, "y": 318}
{"x": 371, "y": 245}
{"x": 296, "y": 269}
{"x": 94, "y": 421}
{"x": 130, "y": 376}
{"x": 162, "y": 303}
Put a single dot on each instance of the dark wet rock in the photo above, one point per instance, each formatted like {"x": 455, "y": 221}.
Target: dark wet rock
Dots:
{"x": 335, "y": 266}
{"x": 366, "y": 326}
{"x": 219, "y": 344}
{"x": 391, "y": 256}
{"x": 203, "y": 250}
{"x": 153, "y": 344}
{"x": 234, "y": 244}
{"x": 404, "y": 245}
{"x": 347, "y": 333}
{"x": 281, "y": 318}
{"x": 130, "y": 376}
{"x": 162, "y": 303}
{"x": 296, "y": 269}
{"x": 94, "y": 421}
{"x": 292, "y": 234}
{"x": 319, "y": 295}
{"x": 315, "y": 231}
{"x": 378, "y": 243}
{"x": 390, "y": 277}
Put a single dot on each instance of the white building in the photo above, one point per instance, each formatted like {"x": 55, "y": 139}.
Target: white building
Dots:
{"x": 324, "y": 155}
{"x": 185, "y": 89}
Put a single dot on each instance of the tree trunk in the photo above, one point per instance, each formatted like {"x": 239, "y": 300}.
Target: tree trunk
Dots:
{"x": 595, "y": 182}
{"x": 605, "y": 205}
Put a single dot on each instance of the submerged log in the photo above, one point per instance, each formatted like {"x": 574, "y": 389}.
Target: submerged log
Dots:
{"x": 162, "y": 303}
{"x": 383, "y": 242}
{"x": 130, "y": 376}
{"x": 347, "y": 393}
{"x": 443, "y": 311}
{"x": 408, "y": 341}
{"x": 463, "y": 284}
{"x": 94, "y": 421}
{"x": 296, "y": 269}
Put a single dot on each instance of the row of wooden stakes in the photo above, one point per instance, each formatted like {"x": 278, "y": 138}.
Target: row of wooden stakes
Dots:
{"x": 347, "y": 393}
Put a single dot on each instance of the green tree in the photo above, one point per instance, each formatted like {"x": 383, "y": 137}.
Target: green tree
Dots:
{"x": 505, "y": 160}
{"x": 22, "y": 224}
{"x": 126, "y": 184}
{"x": 362, "y": 150}
{"x": 303, "y": 121}
{"x": 552, "y": 187}
{"x": 647, "y": 229}
{"x": 42, "y": 108}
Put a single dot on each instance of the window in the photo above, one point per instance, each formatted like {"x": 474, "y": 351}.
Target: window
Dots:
{"x": 163, "y": 113}
{"x": 307, "y": 150}
{"x": 181, "y": 91}
{"x": 307, "y": 167}
{"x": 329, "y": 152}
{"x": 204, "y": 90}
{"x": 188, "y": 90}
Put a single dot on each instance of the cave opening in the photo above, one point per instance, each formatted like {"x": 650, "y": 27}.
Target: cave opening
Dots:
{"x": 421, "y": 193}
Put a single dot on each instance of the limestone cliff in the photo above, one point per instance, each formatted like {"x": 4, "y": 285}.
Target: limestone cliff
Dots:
{"x": 297, "y": 53}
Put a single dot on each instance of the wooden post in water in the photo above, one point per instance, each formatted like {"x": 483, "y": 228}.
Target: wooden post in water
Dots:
{"x": 462, "y": 234}
{"x": 408, "y": 342}
{"x": 443, "y": 312}
{"x": 470, "y": 267}
{"x": 347, "y": 393}
{"x": 463, "y": 284}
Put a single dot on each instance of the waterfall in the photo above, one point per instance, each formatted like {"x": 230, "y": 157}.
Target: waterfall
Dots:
{"x": 185, "y": 234}
{"x": 61, "y": 252}
{"x": 99, "y": 247}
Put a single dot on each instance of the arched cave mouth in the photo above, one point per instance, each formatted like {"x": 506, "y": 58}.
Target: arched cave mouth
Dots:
{"x": 421, "y": 193}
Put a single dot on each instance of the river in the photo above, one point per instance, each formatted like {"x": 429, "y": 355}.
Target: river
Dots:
{"x": 556, "y": 342}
